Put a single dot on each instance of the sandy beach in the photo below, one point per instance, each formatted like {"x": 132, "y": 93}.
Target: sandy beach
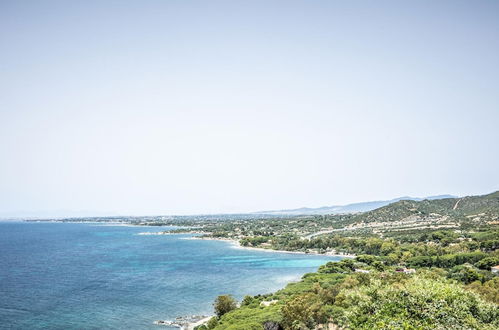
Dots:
{"x": 237, "y": 245}
{"x": 192, "y": 325}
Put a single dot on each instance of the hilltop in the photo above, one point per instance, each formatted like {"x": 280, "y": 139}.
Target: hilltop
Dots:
{"x": 438, "y": 213}
{"x": 348, "y": 208}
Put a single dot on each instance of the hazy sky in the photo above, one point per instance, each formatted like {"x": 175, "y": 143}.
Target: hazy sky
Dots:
{"x": 181, "y": 107}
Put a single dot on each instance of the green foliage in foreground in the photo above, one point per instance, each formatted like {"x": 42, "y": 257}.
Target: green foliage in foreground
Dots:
{"x": 417, "y": 302}
{"x": 488, "y": 290}
{"x": 249, "y": 318}
{"x": 377, "y": 300}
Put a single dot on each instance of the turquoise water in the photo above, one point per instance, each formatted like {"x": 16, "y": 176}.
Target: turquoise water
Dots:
{"x": 87, "y": 276}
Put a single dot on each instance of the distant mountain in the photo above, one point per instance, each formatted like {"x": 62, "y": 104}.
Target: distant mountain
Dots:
{"x": 349, "y": 208}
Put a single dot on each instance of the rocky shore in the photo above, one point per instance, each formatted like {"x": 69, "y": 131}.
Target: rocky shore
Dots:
{"x": 185, "y": 322}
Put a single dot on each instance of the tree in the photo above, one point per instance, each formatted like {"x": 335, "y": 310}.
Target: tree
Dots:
{"x": 224, "y": 304}
{"x": 301, "y": 312}
{"x": 465, "y": 273}
{"x": 488, "y": 262}
{"x": 378, "y": 265}
{"x": 365, "y": 258}
{"x": 387, "y": 247}
{"x": 488, "y": 290}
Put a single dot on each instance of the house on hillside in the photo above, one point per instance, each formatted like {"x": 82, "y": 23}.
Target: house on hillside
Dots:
{"x": 495, "y": 270}
{"x": 406, "y": 270}
{"x": 361, "y": 271}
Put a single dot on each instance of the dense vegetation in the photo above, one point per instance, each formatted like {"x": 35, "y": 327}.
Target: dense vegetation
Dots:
{"x": 382, "y": 299}
{"x": 450, "y": 287}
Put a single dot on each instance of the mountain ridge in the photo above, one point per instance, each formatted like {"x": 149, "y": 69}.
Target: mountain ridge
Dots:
{"x": 349, "y": 208}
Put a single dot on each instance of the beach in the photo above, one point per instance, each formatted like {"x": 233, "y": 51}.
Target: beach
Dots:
{"x": 192, "y": 325}
{"x": 237, "y": 245}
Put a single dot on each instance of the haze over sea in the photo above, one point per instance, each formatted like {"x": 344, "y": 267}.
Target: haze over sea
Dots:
{"x": 89, "y": 276}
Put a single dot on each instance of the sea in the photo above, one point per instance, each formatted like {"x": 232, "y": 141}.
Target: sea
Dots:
{"x": 92, "y": 276}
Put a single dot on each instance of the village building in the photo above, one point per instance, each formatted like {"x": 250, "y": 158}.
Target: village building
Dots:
{"x": 406, "y": 270}
{"x": 361, "y": 271}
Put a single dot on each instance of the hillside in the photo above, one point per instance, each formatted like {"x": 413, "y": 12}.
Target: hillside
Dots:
{"x": 439, "y": 213}
{"x": 418, "y": 265}
{"x": 348, "y": 208}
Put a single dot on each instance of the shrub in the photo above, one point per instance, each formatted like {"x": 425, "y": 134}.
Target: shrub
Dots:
{"x": 224, "y": 304}
{"x": 488, "y": 262}
{"x": 419, "y": 302}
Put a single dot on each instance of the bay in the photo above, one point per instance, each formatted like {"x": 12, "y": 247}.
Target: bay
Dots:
{"x": 89, "y": 276}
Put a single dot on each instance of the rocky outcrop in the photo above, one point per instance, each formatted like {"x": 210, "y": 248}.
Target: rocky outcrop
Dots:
{"x": 270, "y": 325}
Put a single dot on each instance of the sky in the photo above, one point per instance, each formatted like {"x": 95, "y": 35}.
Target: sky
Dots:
{"x": 187, "y": 107}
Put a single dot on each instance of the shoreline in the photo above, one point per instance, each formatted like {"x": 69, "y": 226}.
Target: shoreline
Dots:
{"x": 192, "y": 325}
{"x": 184, "y": 322}
{"x": 237, "y": 245}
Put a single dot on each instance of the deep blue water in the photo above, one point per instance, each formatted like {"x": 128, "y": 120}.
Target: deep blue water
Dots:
{"x": 88, "y": 276}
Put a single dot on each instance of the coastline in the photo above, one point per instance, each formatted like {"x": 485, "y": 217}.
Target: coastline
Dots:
{"x": 237, "y": 245}
{"x": 192, "y": 325}
{"x": 185, "y": 322}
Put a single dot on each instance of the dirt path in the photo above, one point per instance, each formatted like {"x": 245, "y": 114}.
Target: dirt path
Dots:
{"x": 455, "y": 206}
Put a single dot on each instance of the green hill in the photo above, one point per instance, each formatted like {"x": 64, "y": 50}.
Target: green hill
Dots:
{"x": 449, "y": 211}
